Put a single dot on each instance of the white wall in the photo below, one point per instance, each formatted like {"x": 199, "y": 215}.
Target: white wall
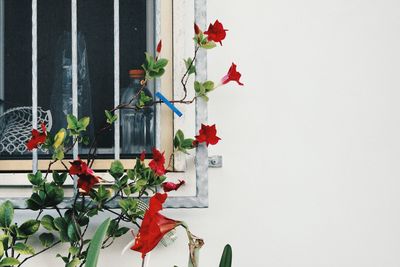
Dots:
{"x": 311, "y": 145}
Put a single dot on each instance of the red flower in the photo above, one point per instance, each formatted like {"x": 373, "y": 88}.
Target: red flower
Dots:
{"x": 216, "y": 32}
{"x": 157, "y": 163}
{"x": 159, "y": 46}
{"x": 232, "y": 75}
{"x": 196, "y": 29}
{"x": 143, "y": 156}
{"x": 207, "y": 134}
{"x": 154, "y": 226}
{"x": 37, "y": 137}
{"x": 169, "y": 186}
{"x": 86, "y": 177}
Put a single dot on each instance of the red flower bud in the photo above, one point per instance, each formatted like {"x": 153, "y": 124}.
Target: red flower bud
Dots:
{"x": 196, "y": 29}
{"x": 159, "y": 46}
{"x": 143, "y": 156}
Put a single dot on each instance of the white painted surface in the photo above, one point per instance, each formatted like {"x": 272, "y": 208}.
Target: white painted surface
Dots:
{"x": 311, "y": 144}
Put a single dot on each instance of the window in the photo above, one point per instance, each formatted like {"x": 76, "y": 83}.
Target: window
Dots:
{"x": 80, "y": 56}
{"x": 85, "y": 55}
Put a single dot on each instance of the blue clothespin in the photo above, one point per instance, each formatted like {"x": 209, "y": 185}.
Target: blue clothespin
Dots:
{"x": 169, "y": 104}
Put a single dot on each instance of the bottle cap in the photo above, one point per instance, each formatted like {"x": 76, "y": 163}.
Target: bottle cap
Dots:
{"x": 136, "y": 73}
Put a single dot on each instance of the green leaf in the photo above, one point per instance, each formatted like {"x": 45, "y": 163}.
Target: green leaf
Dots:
{"x": 83, "y": 123}
{"x": 190, "y": 66}
{"x": 58, "y": 178}
{"x": 209, "y": 45}
{"x": 111, "y": 118}
{"x": 73, "y": 234}
{"x": 95, "y": 245}
{"x": 161, "y": 63}
{"x": 75, "y": 262}
{"x": 47, "y": 239}
{"x": 58, "y": 154}
{"x": 226, "y": 258}
{"x": 9, "y": 262}
{"x": 1, "y": 250}
{"x": 48, "y": 222}
{"x": 62, "y": 226}
{"x": 208, "y": 86}
{"x": 59, "y": 138}
{"x": 121, "y": 231}
{"x": 6, "y": 214}
{"x": 54, "y": 195}
{"x": 35, "y": 202}
{"x": 24, "y": 249}
{"x": 73, "y": 250}
{"x": 29, "y": 228}
{"x": 35, "y": 179}
{"x": 72, "y": 122}
{"x": 4, "y": 240}
{"x": 117, "y": 169}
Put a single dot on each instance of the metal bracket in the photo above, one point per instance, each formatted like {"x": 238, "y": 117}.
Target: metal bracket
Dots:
{"x": 215, "y": 162}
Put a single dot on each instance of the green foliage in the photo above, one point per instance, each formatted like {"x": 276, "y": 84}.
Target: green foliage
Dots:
{"x": 96, "y": 243}
{"x": 77, "y": 126}
{"x": 46, "y": 195}
{"x": 117, "y": 169}
{"x": 226, "y": 258}
{"x": 190, "y": 67}
{"x": 62, "y": 226}
{"x": 9, "y": 261}
{"x": 6, "y": 214}
{"x": 35, "y": 179}
{"x": 28, "y": 228}
{"x": 24, "y": 249}
{"x": 47, "y": 222}
{"x": 203, "y": 42}
{"x": 47, "y": 239}
{"x": 59, "y": 178}
{"x": 154, "y": 68}
{"x": 181, "y": 143}
{"x": 143, "y": 100}
{"x": 202, "y": 89}
{"x": 111, "y": 118}
{"x": 114, "y": 230}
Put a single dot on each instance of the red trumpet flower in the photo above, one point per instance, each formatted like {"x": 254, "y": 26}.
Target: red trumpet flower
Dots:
{"x": 170, "y": 186}
{"x": 216, "y": 32}
{"x": 232, "y": 75}
{"x": 37, "y": 137}
{"x": 157, "y": 163}
{"x": 207, "y": 134}
{"x": 86, "y": 177}
{"x": 154, "y": 226}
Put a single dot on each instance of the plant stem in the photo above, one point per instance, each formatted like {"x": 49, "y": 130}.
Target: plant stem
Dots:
{"x": 40, "y": 252}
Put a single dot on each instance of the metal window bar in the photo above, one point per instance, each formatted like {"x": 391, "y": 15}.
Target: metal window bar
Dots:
{"x": 34, "y": 80}
{"x": 74, "y": 50}
{"x": 1, "y": 56}
{"x": 116, "y": 80}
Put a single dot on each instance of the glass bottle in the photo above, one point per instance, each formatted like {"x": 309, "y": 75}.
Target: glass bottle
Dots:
{"x": 137, "y": 126}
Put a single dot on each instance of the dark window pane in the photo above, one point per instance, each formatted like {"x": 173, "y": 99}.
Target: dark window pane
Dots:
{"x": 96, "y": 75}
{"x": 16, "y": 92}
{"x": 54, "y": 60}
{"x": 137, "y": 127}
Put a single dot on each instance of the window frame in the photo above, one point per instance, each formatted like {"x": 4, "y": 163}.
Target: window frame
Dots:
{"x": 172, "y": 49}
